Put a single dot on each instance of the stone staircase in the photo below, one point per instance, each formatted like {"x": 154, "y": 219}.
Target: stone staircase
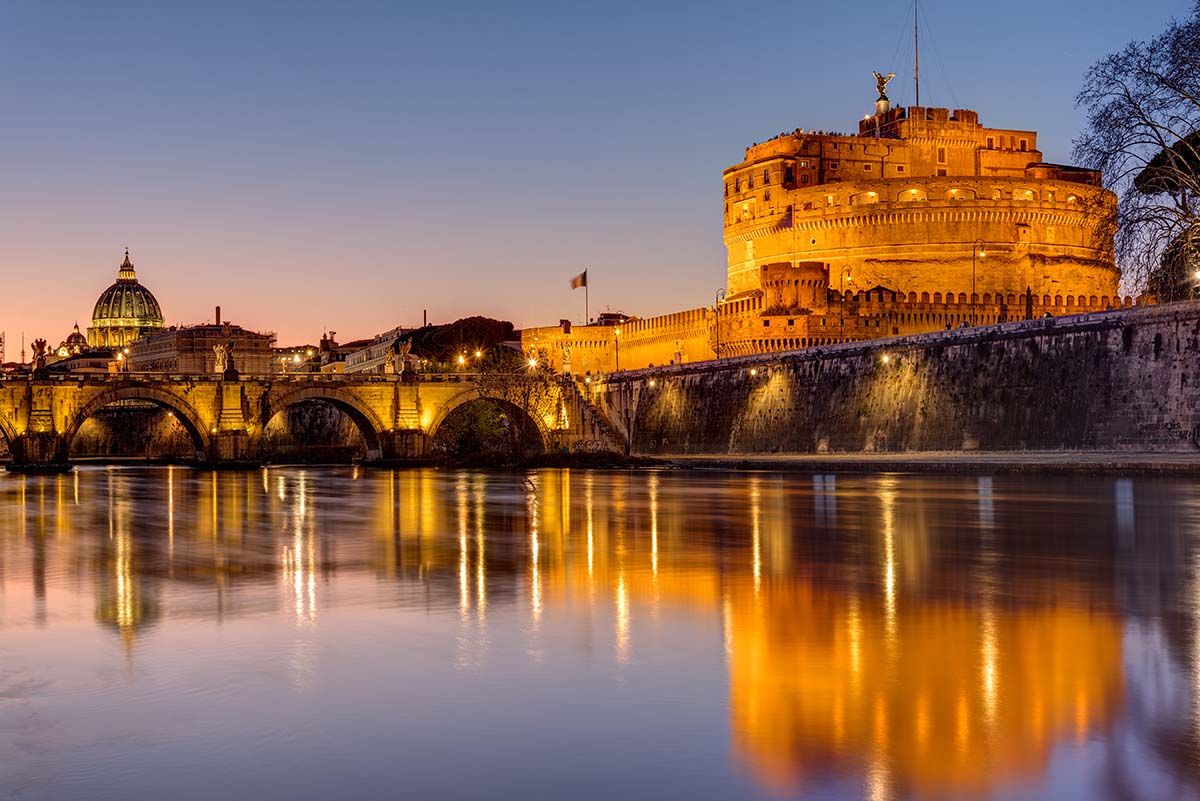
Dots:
{"x": 592, "y": 430}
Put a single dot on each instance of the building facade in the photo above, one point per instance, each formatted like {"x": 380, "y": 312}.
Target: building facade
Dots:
{"x": 191, "y": 350}
{"x": 124, "y": 312}
{"x": 374, "y": 356}
{"x": 922, "y": 220}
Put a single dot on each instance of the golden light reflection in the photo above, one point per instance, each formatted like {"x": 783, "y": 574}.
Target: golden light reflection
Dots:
{"x": 863, "y": 659}
{"x": 535, "y": 568}
{"x": 756, "y": 529}
{"x": 622, "y": 620}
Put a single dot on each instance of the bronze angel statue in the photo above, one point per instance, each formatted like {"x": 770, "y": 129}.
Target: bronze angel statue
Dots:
{"x": 881, "y": 82}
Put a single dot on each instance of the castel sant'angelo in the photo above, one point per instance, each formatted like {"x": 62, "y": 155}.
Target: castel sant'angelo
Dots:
{"x": 925, "y": 219}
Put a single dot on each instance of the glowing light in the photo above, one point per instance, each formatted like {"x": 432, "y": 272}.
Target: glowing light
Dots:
{"x": 533, "y": 362}
{"x": 296, "y": 358}
{"x": 462, "y": 360}
{"x": 885, "y": 358}
{"x": 478, "y": 354}
{"x": 652, "y": 382}
{"x": 753, "y": 372}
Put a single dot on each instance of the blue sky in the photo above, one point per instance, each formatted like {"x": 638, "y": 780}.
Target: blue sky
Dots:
{"x": 347, "y": 165}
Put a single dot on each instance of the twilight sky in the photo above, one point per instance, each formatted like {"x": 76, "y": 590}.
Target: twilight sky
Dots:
{"x": 345, "y": 165}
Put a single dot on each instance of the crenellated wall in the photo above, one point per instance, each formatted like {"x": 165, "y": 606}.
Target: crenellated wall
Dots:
{"x": 1118, "y": 380}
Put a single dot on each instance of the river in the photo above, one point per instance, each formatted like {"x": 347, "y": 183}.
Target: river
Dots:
{"x": 320, "y": 633}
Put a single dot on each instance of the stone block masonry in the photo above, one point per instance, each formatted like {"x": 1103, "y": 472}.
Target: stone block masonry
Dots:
{"x": 1120, "y": 380}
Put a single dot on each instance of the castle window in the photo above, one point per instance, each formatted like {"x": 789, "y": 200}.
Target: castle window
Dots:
{"x": 829, "y": 200}
{"x": 750, "y": 181}
{"x": 804, "y": 179}
{"x": 941, "y": 155}
{"x": 866, "y": 168}
{"x": 833, "y": 165}
{"x": 766, "y": 177}
{"x": 804, "y": 165}
{"x": 991, "y": 143}
{"x": 789, "y": 175}
{"x": 899, "y": 169}
{"x": 737, "y": 184}
{"x": 766, "y": 323}
{"x": 1024, "y": 144}
{"x": 767, "y": 195}
{"x": 941, "y": 173}
{"x": 726, "y": 190}
{"x": 791, "y": 322}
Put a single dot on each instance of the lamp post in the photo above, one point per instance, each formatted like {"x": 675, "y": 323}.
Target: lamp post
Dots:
{"x": 717, "y": 306}
{"x": 617, "y": 345}
{"x": 976, "y": 248}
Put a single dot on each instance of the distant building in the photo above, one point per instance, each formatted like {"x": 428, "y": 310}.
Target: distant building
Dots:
{"x": 189, "y": 350}
{"x": 373, "y": 357}
{"x": 124, "y": 312}
{"x": 296, "y": 359}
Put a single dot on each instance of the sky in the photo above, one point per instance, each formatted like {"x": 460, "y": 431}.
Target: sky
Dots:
{"x": 346, "y": 166}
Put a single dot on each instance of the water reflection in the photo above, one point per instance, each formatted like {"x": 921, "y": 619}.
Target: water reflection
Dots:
{"x": 879, "y": 636}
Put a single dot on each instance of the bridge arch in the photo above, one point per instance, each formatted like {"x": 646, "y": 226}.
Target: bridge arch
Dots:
{"x": 184, "y": 412}
{"x": 346, "y": 401}
{"x": 456, "y": 402}
{"x": 8, "y": 433}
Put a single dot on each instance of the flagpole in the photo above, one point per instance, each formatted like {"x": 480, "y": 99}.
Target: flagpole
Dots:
{"x": 587, "y": 313}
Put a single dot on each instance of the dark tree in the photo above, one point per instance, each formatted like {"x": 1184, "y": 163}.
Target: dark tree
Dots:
{"x": 1143, "y": 133}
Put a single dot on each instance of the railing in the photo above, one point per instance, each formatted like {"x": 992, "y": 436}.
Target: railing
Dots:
{"x": 274, "y": 378}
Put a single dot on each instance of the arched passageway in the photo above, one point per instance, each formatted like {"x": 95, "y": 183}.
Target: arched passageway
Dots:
{"x": 137, "y": 422}
{"x": 299, "y": 425}
{"x": 487, "y": 430}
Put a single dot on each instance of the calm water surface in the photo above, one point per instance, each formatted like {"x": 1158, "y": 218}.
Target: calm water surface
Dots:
{"x": 331, "y": 633}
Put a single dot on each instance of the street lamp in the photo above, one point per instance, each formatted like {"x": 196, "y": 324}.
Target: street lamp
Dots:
{"x": 717, "y": 306}
{"x": 617, "y": 344}
{"x": 976, "y": 248}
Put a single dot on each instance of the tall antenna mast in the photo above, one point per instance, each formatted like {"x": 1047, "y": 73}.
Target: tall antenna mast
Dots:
{"x": 917, "y": 47}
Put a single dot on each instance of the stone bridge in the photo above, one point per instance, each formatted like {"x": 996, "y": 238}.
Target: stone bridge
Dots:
{"x": 39, "y": 417}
